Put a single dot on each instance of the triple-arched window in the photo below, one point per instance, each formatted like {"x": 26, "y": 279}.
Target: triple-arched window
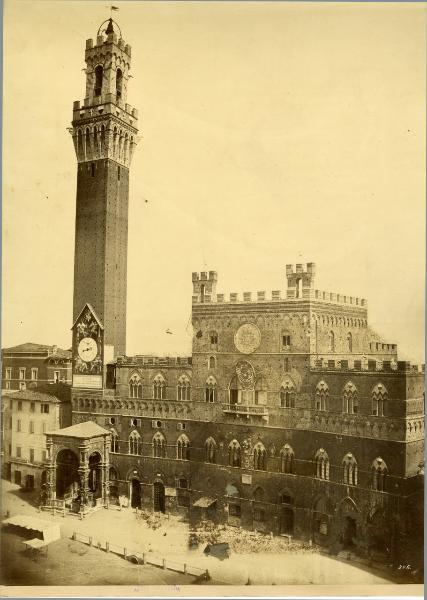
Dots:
{"x": 210, "y": 450}
{"x": 159, "y": 445}
{"x": 379, "y": 400}
{"x": 322, "y": 464}
{"x": 135, "y": 443}
{"x": 379, "y": 474}
{"x": 287, "y": 394}
{"x": 114, "y": 441}
{"x": 159, "y": 387}
{"x": 322, "y": 396}
{"x": 210, "y": 389}
{"x": 234, "y": 454}
{"x": 349, "y": 465}
{"x": 184, "y": 388}
{"x": 349, "y": 399}
{"x": 183, "y": 447}
{"x": 260, "y": 457}
{"x": 287, "y": 459}
{"x": 135, "y": 386}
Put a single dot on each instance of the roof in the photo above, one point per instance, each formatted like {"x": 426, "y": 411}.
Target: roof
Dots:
{"x": 31, "y": 347}
{"x": 204, "y": 502}
{"x": 31, "y": 395}
{"x": 29, "y": 522}
{"x": 87, "y": 429}
{"x": 60, "y": 354}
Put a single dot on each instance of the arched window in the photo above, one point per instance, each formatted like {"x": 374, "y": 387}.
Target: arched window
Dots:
{"x": 379, "y": 400}
{"x": 98, "y": 80}
{"x": 322, "y": 396}
{"x": 119, "y": 81}
{"x": 159, "y": 387}
{"x": 349, "y": 469}
{"x": 322, "y": 464}
{"x": 331, "y": 337}
{"x": 114, "y": 441}
{"x": 210, "y": 389}
{"x": 135, "y": 386}
{"x": 259, "y": 495}
{"x": 159, "y": 445}
{"x": 234, "y": 454}
{"x": 287, "y": 394}
{"x": 87, "y": 144}
{"x": 184, "y": 388}
{"x": 261, "y": 391}
{"x": 213, "y": 340}
{"x": 210, "y": 449}
{"x": 134, "y": 443}
{"x": 349, "y": 342}
{"x": 212, "y": 362}
{"x": 287, "y": 459}
{"x": 379, "y": 474}
{"x": 260, "y": 457}
{"x": 183, "y": 448}
{"x": 349, "y": 399}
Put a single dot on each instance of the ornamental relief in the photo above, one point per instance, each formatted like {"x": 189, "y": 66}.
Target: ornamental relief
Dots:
{"x": 247, "y": 338}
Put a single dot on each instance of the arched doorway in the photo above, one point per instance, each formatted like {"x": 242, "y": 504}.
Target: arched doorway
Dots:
{"x": 159, "y": 497}
{"x": 67, "y": 478}
{"x": 349, "y": 532}
{"x": 135, "y": 493}
{"x": 95, "y": 481}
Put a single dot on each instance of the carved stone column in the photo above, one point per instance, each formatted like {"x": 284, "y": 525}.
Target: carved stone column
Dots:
{"x": 83, "y": 471}
{"x": 50, "y": 474}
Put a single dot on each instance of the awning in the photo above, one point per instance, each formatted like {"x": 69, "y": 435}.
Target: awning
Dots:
{"x": 51, "y": 531}
{"x": 204, "y": 502}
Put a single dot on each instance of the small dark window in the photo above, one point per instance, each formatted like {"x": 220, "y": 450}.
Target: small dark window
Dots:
{"x": 19, "y": 404}
{"x": 92, "y": 169}
{"x": 119, "y": 80}
{"x": 44, "y": 408}
{"x": 234, "y": 510}
{"x": 98, "y": 80}
{"x": 118, "y": 173}
{"x": 182, "y": 483}
{"x": 18, "y": 452}
{"x": 32, "y": 406}
{"x": 158, "y": 424}
{"x": 112, "y": 420}
{"x": 286, "y": 341}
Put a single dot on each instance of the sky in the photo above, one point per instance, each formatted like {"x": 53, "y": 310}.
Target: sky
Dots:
{"x": 270, "y": 133}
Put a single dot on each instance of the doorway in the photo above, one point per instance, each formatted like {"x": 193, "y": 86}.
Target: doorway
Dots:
{"x": 159, "y": 497}
{"x": 67, "y": 476}
{"x": 29, "y": 482}
{"x": 349, "y": 532}
{"x": 135, "y": 493}
{"x": 287, "y": 521}
{"x": 18, "y": 477}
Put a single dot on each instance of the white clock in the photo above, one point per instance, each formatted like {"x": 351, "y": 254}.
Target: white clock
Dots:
{"x": 88, "y": 349}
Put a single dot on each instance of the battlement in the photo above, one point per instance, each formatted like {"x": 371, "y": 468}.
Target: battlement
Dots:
{"x": 204, "y": 286}
{"x": 365, "y": 364}
{"x": 155, "y": 361}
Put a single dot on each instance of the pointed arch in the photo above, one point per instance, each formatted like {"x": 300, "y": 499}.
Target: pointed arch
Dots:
{"x": 210, "y": 450}
{"x": 322, "y": 396}
{"x": 183, "y": 388}
{"x": 135, "y": 444}
{"x": 159, "y": 387}
{"x": 183, "y": 447}
{"x": 287, "y": 394}
{"x": 350, "y": 398}
{"x": 349, "y": 465}
{"x": 331, "y": 341}
{"x": 135, "y": 386}
{"x": 379, "y": 474}
{"x": 379, "y": 396}
{"x": 259, "y": 494}
{"x": 159, "y": 445}
{"x": 114, "y": 440}
{"x": 261, "y": 391}
{"x": 260, "y": 457}
{"x": 211, "y": 389}
{"x": 212, "y": 362}
{"x": 234, "y": 454}
{"x": 287, "y": 457}
{"x": 322, "y": 464}
{"x": 349, "y": 341}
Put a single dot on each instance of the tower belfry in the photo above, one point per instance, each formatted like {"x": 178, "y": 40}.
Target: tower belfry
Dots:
{"x": 104, "y": 130}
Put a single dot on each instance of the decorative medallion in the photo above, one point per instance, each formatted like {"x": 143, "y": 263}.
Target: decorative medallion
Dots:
{"x": 245, "y": 374}
{"x": 247, "y": 338}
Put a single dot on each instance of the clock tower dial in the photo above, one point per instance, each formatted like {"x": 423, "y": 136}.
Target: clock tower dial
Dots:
{"x": 88, "y": 350}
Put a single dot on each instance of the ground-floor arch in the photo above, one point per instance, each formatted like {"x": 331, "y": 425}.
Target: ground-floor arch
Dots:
{"x": 159, "y": 496}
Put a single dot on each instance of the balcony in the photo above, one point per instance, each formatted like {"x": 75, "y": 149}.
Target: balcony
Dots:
{"x": 251, "y": 410}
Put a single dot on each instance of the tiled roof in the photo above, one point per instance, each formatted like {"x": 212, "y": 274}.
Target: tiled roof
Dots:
{"x": 87, "y": 429}
{"x": 31, "y": 395}
{"x": 28, "y": 347}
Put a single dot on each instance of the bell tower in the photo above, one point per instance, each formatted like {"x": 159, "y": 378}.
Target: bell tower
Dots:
{"x": 104, "y": 131}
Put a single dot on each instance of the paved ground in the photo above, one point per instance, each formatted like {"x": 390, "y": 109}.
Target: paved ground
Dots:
{"x": 171, "y": 541}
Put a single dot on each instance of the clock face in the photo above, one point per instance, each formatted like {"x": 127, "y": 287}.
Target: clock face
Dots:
{"x": 87, "y": 349}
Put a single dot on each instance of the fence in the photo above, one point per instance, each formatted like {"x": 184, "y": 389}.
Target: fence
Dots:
{"x": 140, "y": 558}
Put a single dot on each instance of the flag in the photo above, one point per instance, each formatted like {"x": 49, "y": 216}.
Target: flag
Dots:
{"x": 114, "y": 8}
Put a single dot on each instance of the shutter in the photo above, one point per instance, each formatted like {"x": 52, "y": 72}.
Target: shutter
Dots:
{"x": 154, "y": 424}
{"x": 179, "y": 426}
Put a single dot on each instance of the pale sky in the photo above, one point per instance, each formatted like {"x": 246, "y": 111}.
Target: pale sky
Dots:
{"x": 271, "y": 133}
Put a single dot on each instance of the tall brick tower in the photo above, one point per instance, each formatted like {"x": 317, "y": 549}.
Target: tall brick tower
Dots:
{"x": 104, "y": 133}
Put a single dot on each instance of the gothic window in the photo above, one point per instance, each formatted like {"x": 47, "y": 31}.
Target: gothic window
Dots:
{"x": 135, "y": 443}
{"x": 349, "y": 398}
{"x": 379, "y": 400}
{"x": 322, "y": 396}
{"x": 135, "y": 386}
{"x": 331, "y": 337}
{"x": 287, "y": 394}
{"x": 379, "y": 474}
{"x": 285, "y": 341}
{"x": 98, "y": 80}
{"x": 119, "y": 81}
{"x": 213, "y": 340}
{"x": 322, "y": 464}
{"x": 212, "y": 362}
{"x": 210, "y": 448}
{"x": 261, "y": 392}
{"x": 260, "y": 457}
{"x": 234, "y": 454}
{"x": 183, "y": 448}
{"x": 159, "y": 445}
{"x": 210, "y": 389}
{"x": 159, "y": 387}
{"x": 287, "y": 459}
{"x": 87, "y": 142}
{"x": 184, "y": 388}
{"x": 114, "y": 442}
{"x": 259, "y": 495}
{"x": 349, "y": 469}
{"x": 349, "y": 342}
